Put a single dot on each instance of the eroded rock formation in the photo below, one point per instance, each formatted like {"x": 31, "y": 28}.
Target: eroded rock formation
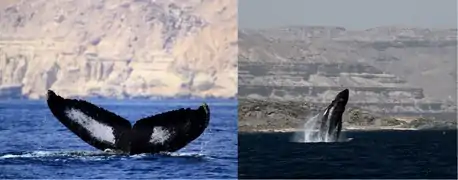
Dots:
{"x": 118, "y": 48}
{"x": 387, "y": 69}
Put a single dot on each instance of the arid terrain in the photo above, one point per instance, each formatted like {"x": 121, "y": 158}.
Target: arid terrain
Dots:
{"x": 277, "y": 115}
{"x": 118, "y": 48}
{"x": 391, "y": 72}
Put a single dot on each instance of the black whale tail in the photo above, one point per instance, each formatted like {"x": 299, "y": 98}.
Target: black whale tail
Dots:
{"x": 165, "y": 132}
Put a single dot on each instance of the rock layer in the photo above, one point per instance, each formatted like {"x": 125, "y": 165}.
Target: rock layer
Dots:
{"x": 387, "y": 69}
{"x": 118, "y": 48}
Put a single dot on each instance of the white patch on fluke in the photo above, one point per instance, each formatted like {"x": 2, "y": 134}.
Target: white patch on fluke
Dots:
{"x": 97, "y": 130}
{"x": 159, "y": 135}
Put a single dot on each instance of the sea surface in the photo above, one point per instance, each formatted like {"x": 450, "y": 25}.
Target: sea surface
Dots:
{"x": 368, "y": 154}
{"x": 33, "y": 144}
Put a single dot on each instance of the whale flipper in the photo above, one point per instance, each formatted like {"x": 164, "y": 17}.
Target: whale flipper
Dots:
{"x": 169, "y": 131}
{"x": 94, "y": 125}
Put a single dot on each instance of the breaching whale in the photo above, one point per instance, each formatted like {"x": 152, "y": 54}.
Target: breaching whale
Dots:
{"x": 331, "y": 121}
{"x": 104, "y": 130}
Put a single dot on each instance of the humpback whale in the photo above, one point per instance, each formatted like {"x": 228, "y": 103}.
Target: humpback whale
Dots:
{"x": 331, "y": 122}
{"x": 104, "y": 130}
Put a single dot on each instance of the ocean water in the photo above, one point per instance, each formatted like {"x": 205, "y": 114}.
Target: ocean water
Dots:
{"x": 370, "y": 154}
{"x": 33, "y": 144}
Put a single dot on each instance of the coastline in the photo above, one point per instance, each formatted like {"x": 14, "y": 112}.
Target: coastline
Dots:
{"x": 258, "y": 116}
{"x": 348, "y": 129}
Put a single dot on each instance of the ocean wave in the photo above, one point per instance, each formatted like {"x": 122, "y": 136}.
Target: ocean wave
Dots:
{"x": 48, "y": 154}
{"x": 94, "y": 154}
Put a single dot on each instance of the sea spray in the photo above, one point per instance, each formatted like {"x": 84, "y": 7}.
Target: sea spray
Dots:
{"x": 310, "y": 131}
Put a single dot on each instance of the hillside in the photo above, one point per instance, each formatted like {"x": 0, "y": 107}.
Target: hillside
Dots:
{"x": 118, "y": 48}
{"x": 387, "y": 69}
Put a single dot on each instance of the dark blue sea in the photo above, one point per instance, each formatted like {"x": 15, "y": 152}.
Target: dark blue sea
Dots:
{"x": 370, "y": 154}
{"x": 33, "y": 144}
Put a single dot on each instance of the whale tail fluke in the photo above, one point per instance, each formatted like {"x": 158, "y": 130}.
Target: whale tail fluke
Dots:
{"x": 164, "y": 132}
{"x": 94, "y": 125}
{"x": 206, "y": 109}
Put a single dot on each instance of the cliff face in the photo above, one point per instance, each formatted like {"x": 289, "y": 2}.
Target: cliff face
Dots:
{"x": 119, "y": 48}
{"x": 387, "y": 69}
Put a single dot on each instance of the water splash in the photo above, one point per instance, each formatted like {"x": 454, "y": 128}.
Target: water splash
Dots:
{"x": 310, "y": 132}
{"x": 84, "y": 155}
{"x": 184, "y": 154}
{"x": 91, "y": 155}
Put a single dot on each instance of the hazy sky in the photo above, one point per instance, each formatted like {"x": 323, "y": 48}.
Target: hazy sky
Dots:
{"x": 351, "y": 14}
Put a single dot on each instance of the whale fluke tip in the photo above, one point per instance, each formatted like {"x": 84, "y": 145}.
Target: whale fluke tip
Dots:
{"x": 205, "y": 107}
{"x": 50, "y": 94}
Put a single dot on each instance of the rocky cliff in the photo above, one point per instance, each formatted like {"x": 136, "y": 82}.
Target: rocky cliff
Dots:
{"x": 118, "y": 48}
{"x": 387, "y": 69}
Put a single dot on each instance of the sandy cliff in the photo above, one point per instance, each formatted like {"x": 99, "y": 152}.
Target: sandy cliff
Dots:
{"x": 118, "y": 48}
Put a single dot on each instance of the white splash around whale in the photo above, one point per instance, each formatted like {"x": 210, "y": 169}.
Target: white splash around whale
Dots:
{"x": 310, "y": 131}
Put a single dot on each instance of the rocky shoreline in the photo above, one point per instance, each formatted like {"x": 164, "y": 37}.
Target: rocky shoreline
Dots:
{"x": 286, "y": 116}
{"x": 346, "y": 129}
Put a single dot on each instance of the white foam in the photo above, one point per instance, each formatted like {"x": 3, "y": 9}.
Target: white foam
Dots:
{"x": 98, "y": 130}
{"x": 41, "y": 154}
{"x": 311, "y": 129}
{"x": 185, "y": 154}
{"x": 328, "y": 125}
{"x": 159, "y": 135}
{"x": 172, "y": 154}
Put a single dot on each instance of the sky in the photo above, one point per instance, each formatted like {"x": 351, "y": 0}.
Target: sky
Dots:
{"x": 350, "y": 14}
